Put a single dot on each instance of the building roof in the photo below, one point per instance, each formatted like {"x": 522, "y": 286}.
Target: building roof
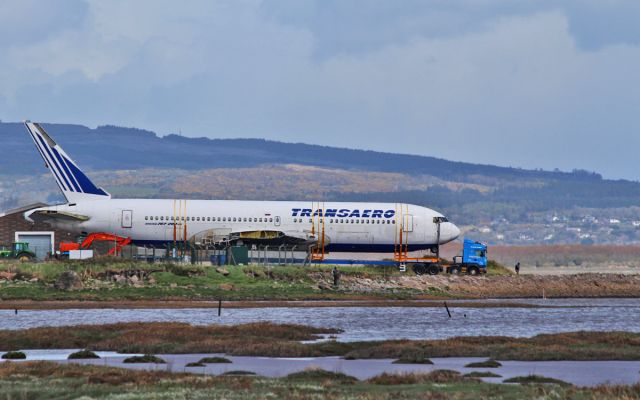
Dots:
{"x": 22, "y": 209}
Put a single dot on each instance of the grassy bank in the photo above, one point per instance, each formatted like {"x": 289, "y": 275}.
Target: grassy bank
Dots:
{"x": 105, "y": 280}
{"x": 46, "y": 380}
{"x": 273, "y": 340}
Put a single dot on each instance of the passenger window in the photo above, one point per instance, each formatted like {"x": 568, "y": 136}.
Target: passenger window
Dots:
{"x": 146, "y": 218}
{"x": 270, "y": 219}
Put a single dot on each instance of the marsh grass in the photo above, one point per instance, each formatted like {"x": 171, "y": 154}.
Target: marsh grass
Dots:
{"x": 482, "y": 374}
{"x": 147, "y": 358}
{"x": 412, "y": 378}
{"x": 14, "y": 355}
{"x": 319, "y": 374}
{"x": 536, "y": 379}
{"x": 82, "y": 354}
{"x": 484, "y": 364}
{"x": 214, "y": 360}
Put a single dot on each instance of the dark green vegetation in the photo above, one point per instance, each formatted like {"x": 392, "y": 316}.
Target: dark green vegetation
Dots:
{"x": 318, "y": 374}
{"x": 482, "y": 374}
{"x": 147, "y": 358}
{"x": 529, "y": 379}
{"x": 273, "y": 340}
{"x": 195, "y": 364}
{"x": 14, "y": 355}
{"x": 214, "y": 360}
{"x": 412, "y": 378}
{"x": 173, "y": 281}
{"x": 82, "y": 354}
{"x": 47, "y": 380}
{"x": 415, "y": 359}
{"x": 484, "y": 364}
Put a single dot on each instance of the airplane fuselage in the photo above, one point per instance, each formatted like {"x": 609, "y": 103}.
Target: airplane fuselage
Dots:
{"x": 344, "y": 226}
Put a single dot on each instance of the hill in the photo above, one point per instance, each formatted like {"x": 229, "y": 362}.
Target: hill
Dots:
{"x": 497, "y": 204}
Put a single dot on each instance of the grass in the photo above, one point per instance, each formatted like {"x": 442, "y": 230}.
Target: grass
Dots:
{"x": 318, "y": 374}
{"x": 284, "y": 340}
{"x": 82, "y": 354}
{"x": 47, "y": 380}
{"x": 14, "y": 355}
{"x": 412, "y": 378}
{"x": 420, "y": 359}
{"x": 484, "y": 364}
{"x": 214, "y": 360}
{"x": 195, "y": 364}
{"x": 530, "y": 379}
{"x": 145, "y": 359}
{"x": 482, "y": 374}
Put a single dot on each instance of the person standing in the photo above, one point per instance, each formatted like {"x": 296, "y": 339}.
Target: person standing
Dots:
{"x": 518, "y": 268}
{"x": 336, "y": 276}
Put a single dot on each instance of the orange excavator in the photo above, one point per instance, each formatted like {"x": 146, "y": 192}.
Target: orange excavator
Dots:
{"x": 119, "y": 241}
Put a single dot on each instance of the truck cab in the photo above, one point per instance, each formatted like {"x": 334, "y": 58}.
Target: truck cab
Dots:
{"x": 473, "y": 260}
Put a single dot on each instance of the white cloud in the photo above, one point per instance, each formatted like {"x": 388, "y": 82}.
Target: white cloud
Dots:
{"x": 515, "y": 86}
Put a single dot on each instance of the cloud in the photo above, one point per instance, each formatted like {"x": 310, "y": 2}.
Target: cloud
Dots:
{"x": 528, "y": 83}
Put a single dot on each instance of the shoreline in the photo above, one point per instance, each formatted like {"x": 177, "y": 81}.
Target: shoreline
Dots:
{"x": 239, "y": 304}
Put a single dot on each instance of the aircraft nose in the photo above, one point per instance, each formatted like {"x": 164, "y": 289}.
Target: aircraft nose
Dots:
{"x": 448, "y": 232}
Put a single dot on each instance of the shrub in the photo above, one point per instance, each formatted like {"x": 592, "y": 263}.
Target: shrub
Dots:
{"x": 195, "y": 364}
{"x": 437, "y": 376}
{"x": 315, "y": 374}
{"x": 418, "y": 359}
{"x": 147, "y": 358}
{"x": 532, "y": 379}
{"x": 14, "y": 355}
{"x": 214, "y": 360}
{"x": 482, "y": 374}
{"x": 238, "y": 373}
{"x": 484, "y": 364}
{"x": 82, "y": 354}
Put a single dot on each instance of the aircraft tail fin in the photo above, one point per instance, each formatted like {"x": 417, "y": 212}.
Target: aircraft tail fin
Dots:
{"x": 73, "y": 183}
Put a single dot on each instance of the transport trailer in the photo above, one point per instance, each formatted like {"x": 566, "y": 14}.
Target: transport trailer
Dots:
{"x": 473, "y": 261}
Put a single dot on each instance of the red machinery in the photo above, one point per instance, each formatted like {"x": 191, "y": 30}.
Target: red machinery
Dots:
{"x": 119, "y": 241}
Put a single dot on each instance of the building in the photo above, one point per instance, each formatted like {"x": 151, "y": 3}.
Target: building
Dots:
{"x": 42, "y": 238}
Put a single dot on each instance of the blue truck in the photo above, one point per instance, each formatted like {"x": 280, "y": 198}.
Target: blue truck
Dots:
{"x": 473, "y": 260}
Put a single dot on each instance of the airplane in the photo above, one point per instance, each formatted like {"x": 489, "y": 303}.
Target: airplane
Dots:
{"x": 162, "y": 223}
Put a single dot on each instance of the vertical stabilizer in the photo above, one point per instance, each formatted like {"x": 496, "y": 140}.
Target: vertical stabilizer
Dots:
{"x": 73, "y": 183}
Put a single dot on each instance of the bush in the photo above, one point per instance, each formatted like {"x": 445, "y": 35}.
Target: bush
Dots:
{"x": 238, "y": 373}
{"x": 214, "y": 360}
{"x": 417, "y": 359}
{"x": 437, "y": 376}
{"x": 482, "y": 374}
{"x": 484, "y": 364}
{"x": 147, "y": 358}
{"x": 316, "y": 374}
{"x": 14, "y": 355}
{"x": 195, "y": 364}
{"x": 532, "y": 379}
{"x": 82, "y": 355}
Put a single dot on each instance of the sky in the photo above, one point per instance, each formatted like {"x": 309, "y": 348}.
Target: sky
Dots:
{"x": 523, "y": 83}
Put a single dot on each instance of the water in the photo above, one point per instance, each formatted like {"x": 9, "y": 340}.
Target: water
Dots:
{"x": 581, "y": 373}
{"x": 377, "y": 323}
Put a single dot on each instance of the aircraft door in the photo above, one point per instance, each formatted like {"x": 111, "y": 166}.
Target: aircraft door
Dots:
{"x": 127, "y": 218}
{"x": 276, "y": 221}
{"x": 408, "y": 223}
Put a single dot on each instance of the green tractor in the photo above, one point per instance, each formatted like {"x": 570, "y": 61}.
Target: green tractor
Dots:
{"x": 17, "y": 250}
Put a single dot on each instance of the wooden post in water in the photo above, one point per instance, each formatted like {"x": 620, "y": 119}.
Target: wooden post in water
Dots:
{"x": 448, "y": 312}
{"x": 219, "y": 307}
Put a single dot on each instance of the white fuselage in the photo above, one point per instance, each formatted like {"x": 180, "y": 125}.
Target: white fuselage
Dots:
{"x": 341, "y": 226}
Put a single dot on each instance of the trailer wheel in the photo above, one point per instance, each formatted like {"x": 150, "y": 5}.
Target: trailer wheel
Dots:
{"x": 419, "y": 269}
{"x": 433, "y": 269}
{"x": 454, "y": 270}
{"x": 473, "y": 270}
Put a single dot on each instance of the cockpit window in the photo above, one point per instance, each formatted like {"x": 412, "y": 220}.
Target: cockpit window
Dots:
{"x": 439, "y": 220}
